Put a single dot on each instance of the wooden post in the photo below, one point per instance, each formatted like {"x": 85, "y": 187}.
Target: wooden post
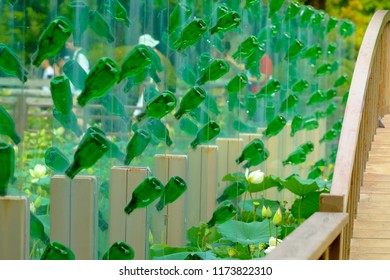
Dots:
{"x": 74, "y": 214}
{"x": 170, "y": 222}
{"x": 15, "y": 228}
{"x": 132, "y": 228}
{"x": 229, "y": 149}
{"x": 202, "y": 183}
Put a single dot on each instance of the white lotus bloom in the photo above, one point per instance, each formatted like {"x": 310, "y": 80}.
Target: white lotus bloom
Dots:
{"x": 255, "y": 177}
{"x": 272, "y": 241}
{"x": 38, "y": 172}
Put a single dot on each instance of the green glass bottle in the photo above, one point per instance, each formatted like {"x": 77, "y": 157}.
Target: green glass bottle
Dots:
{"x": 188, "y": 126}
{"x": 335, "y": 67}
{"x": 250, "y": 105}
{"x": 52, "y": 40}
{"x": 118, "y": 12}
{"x": 237, "y": 83}
{"x": 315, "y": 173}
{"x": 211, "y": 104}
{"x": 57, "y": 251}
{"x": 249, "y": 3}
{"x": 296, "y": 124}
{"x": 331, "y": 48}
{"x": 159, "y": 130}
{"x": 100, "y": 79}
{"x": 205, "y": 134}
{"x": 332, "y": 107}
{"x": 338, "y": 125}
{"x": 317, "y": 19}
{"x": 144, "y": 194}
{"x": 294, "y": 50}
{"x": 319, "y": 114}
{"x": 347, "y": 28}
{"x": 175, "y": 187}
{"x": 296, "y": 157}
{"x": 98, "y": 25}
{"x": 159, "y": 106}
{"x": 137, "y": 145}
{"x": 7, "y": 126}
{"x": 79, "y": 18}
{"x": 179, "y": 15}
{"x": 190, "y": 101}
{"x": 292, "y": 10}
{"x": 193, "y": 257}
{"x": 56, "y": 160}
{"x": 274, "y": 7}
{"x": 300, "y": 86}
{"x": 204, "y": 60}
{"x": 313, "y": 52}
{"x": 68, "y": 121}
{"x": 114, "y": 106}
{"x": 91, "y": 148}
{"x": 330, "y": 135}
{"x": 275, "y": 126}
{"x": 190, "y": 34}
{"x": 246, "y": 48}
{"x": 341, "y": 80}
{"x": 113, "y": 150}
{"x": 324, "y": 69}
{"x": 7, "y": 159}
{"x": 270, "y": 88}
{"x": 11, "y": 65}
{"x": 252, "y": 63}
{"x": 61, "y": 94}
{"x": 321, "y": 163}
{"x": 76, "y": 74}
{"x": 345, "y": 98}
{"x": 310, "y": 123}
{"x": 306, "y": 15}
{"x": 120, "y": 250}
{"x": 288, "y": 103}
{"x": 307, "y": 147}
{"x": 317, "y": 97}
{"x": 257, "y": 159}
{"x": 233, "y": 190}
{"x": 223, "y": 213}
{"x": 255, "y": 147}
{"x": 226, "y": 22}
{"x": 330, "y": 93}
{"x": 331, "y": 24}
{"x": 215, "y": 70}
{"x": 137, "y": 61}
{"x": 232, "y": 101}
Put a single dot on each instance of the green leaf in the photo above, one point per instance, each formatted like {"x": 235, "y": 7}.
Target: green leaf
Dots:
{"x": 246, "y": 233}
{"x": 300, "y": 186}
{"x": 309, "y": 205}
{"x": 234, "y": 177}
{"x": 269, "y": 181}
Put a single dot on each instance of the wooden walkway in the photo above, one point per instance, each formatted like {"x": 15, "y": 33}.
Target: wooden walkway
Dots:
{"x": 371, "y": 233}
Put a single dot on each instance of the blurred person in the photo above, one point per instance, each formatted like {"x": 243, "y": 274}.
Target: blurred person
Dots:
{"x": 48, "y": 72}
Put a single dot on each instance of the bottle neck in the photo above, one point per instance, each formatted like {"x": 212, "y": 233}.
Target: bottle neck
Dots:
{"x": 73, "y": 169}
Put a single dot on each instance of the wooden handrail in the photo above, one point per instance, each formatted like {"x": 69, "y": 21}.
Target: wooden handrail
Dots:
{"x": 318, "y": 233}
{"x": 369, "y": 98}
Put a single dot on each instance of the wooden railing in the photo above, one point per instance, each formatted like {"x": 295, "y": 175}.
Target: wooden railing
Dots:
{"x": 369, "y": 98}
